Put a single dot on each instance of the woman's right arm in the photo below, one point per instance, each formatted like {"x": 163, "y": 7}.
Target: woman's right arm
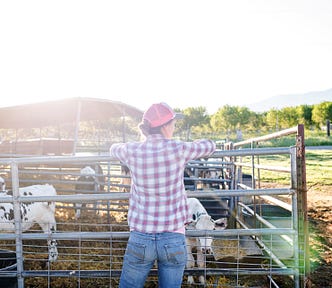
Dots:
{"x": 199, "y": 148}
{"x": 118, "y": 151}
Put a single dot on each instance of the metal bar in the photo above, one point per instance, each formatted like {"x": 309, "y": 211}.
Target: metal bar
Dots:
{"x": 292, "y": 130}
{"x": 154, "y": 272}
{"x": 17, "y": 225}
{"x": 250, "y": 152}
{"x": 125, "y": 195}
{"x": 278, "y": 202}
{"x": 70, "y": 198}
{"x": 236, "y": 193}
{"x": 77, "y": 159}
{"x": 264, "y": 167}
{"x": 124, "y": 235}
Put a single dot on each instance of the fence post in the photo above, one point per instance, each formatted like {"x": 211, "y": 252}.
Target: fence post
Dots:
{"x": 328, "y": 127}
{"x": 302, "y": 210}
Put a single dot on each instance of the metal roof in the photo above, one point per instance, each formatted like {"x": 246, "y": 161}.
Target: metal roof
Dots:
{"x": 68, "y": 110}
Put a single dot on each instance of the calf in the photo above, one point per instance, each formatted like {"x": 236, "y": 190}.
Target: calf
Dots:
{"x": 87, "y": 182}
{"x": 42, "y": 213}
{"x": 200, "y": 220}
{"x": 213, "y": 179}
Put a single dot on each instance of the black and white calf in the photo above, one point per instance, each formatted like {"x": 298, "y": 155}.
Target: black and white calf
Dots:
{"x": 200, "y": 220}
{"x": 42, "y": 213}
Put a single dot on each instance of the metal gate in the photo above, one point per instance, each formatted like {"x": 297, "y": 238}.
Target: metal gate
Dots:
{"x": 266, "y": 240}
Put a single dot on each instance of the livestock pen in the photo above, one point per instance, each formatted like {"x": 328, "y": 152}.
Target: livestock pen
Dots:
{"x": 264, "y": 244}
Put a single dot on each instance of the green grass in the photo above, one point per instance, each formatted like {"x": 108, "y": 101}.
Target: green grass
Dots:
{"x": 318, "y": 168}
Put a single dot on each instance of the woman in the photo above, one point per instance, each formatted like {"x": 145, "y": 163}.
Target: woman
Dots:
{"x": 158, "y": 202}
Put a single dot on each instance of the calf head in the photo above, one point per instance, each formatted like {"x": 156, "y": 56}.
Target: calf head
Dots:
{"x": 88, "y": 175}
{"x": 205, "y": 222}
{"x": 87, "y": 170}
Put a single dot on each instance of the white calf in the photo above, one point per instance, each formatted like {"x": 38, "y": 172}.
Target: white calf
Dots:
{"x": 200, "y": 220}
{"x": 42, "y": 213}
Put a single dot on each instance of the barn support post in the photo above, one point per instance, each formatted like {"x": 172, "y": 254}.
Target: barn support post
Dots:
{"x": 123, "y": 126}
{"x": 77, "y": 125}
{"x": 302, "y": 210}
{"x": 18, "y": 224}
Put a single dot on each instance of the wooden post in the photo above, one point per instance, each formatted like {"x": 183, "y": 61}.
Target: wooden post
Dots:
{"x": 328, "y": 125}
{"x": 301, "y": 187}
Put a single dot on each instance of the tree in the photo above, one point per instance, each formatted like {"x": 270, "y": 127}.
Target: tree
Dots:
{"x": 322, "y": 112}
{"x": 305, "y": 114}
{"x": 283, "y": 118}
{"x": 256, "y": 121}
{"x": 272, "y": 119}
{"x": 194, "y": 117}
{"x": 244, "y": 115}
{"x": 226, "y": 118}
{"x": 288, "y": 117}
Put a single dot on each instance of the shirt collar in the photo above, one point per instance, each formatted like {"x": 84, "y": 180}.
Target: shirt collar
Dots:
{"x": 155, "y": 137}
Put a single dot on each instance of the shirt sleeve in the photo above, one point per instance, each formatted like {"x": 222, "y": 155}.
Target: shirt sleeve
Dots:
{"x": 119, "y": 151}
{"x": 198, "y": 149}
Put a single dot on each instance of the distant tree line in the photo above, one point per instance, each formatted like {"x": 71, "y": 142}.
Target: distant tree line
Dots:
{"x": 230, "y": 119}
{"x": 227, "y": 122}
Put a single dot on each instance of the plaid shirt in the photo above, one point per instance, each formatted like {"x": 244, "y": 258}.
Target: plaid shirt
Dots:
{"x": 158, "y": 202}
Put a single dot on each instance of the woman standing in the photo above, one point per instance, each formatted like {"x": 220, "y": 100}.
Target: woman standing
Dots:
{"x": 158, "y": 202}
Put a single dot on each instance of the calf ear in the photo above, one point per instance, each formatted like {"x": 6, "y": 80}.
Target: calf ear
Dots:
{"x": 221, "y": 223}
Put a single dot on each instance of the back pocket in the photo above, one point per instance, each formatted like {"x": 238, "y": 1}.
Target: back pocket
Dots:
{"x": 135, "y": 252}
{"x": 176, "y": 253}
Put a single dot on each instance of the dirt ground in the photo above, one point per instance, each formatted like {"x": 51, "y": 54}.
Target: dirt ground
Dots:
{"x": 320, "y": 228}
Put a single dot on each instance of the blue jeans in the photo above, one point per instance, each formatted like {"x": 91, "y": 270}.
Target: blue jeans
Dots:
{"x": 169, "y": 249}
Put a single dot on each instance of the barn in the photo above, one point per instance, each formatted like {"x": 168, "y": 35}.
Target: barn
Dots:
{"x": 60, "y": 127}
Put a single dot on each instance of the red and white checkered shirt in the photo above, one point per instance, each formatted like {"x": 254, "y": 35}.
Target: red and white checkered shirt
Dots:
{"x": 158, "y": 201}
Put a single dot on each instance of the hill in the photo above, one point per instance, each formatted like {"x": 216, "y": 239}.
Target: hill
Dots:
{"x": 290, "y": 100}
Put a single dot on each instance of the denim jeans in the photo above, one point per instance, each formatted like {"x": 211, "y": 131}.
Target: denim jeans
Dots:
{"x": 169, "y": 249}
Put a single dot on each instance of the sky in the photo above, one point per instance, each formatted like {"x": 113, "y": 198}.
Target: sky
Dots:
{"x": 186, "y": 53}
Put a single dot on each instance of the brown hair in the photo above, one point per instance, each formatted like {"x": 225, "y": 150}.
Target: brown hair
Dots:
{"x": 146, "y": 128}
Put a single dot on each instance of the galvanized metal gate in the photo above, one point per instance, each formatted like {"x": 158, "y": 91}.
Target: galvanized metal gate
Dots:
{"x": 260, "y": 245}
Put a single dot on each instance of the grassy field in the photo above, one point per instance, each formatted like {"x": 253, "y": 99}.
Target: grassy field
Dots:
{"x": 318, "y": 168}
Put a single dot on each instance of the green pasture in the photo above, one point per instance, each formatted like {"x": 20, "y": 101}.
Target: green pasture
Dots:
{"x": 318, "y": 168}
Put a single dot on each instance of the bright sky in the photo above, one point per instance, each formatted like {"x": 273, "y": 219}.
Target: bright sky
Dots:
{"x": 187, "y": 53}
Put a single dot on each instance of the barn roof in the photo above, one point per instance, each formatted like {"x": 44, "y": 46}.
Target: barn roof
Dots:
{"x": 68, "y": 110}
